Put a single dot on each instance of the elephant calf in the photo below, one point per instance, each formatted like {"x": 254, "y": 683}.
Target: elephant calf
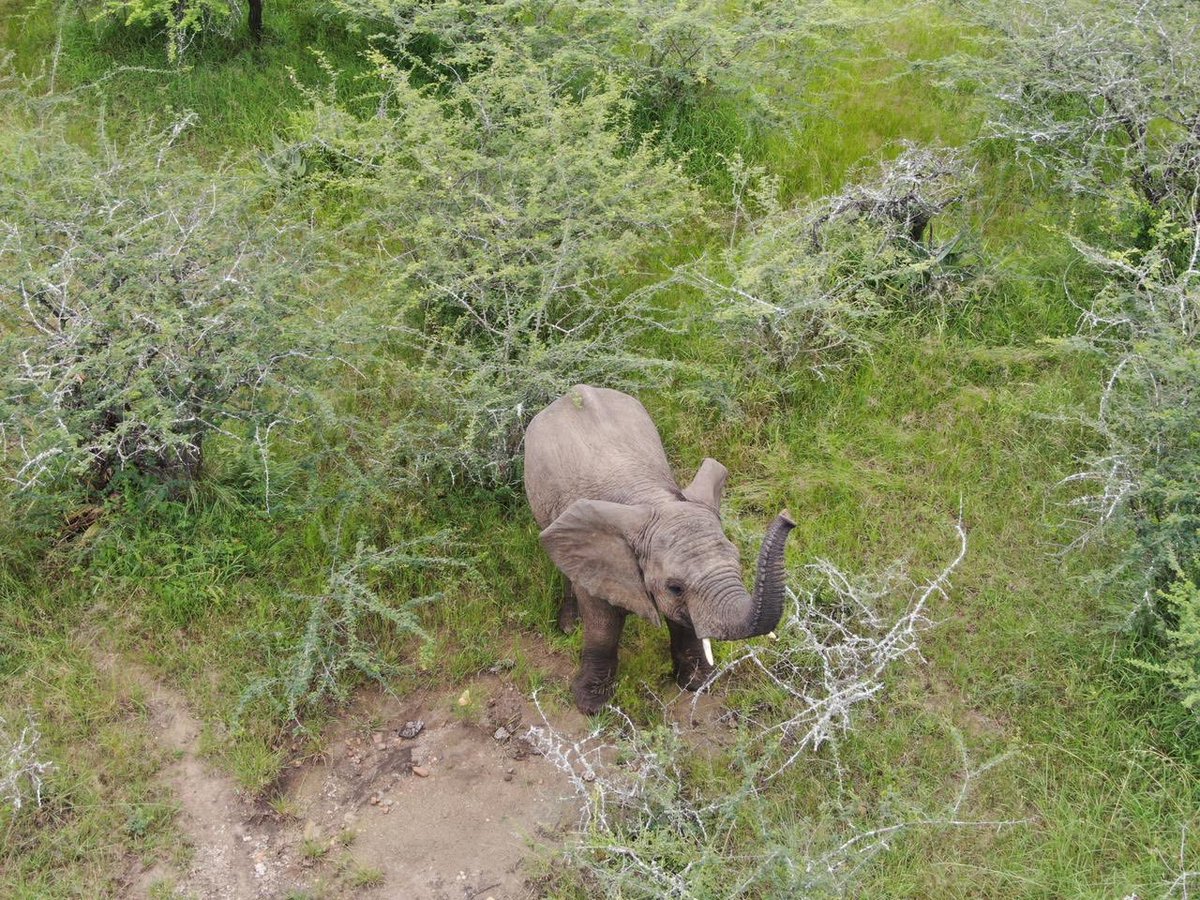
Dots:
{"x": 629, "y": 540}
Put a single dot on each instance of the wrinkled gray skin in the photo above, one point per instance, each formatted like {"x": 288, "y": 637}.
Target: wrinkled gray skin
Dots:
{"x": 629, "y": 540}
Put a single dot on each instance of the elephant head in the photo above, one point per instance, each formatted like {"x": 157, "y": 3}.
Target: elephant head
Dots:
{"x": 672, "y": 560}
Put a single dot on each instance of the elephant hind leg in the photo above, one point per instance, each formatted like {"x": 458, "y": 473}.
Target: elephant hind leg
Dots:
{"x": 568, "y": 610}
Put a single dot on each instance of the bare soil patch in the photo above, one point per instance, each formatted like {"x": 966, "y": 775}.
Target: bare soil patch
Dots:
{"x": 450, "y": 813}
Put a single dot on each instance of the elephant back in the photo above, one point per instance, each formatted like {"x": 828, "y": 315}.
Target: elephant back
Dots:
{"x": 594, "y": 444}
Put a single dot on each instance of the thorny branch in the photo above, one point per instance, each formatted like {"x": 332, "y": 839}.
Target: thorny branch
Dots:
{"x": 834, "y": 650}
{"x": 21, "y": 772}
{"x": 831, "y": 656}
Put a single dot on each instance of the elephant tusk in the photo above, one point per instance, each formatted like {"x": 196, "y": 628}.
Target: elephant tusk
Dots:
{"x": 707, "y": 644}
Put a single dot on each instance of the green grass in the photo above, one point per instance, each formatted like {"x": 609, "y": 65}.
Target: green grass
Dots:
{"x": 242, "y": 95}
{"x": 962, "y": 408}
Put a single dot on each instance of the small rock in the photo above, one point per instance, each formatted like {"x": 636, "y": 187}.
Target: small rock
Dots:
{"x": 508, "y": 776}
{"x": 420, "y": 771}
{"x": 374, "y": 801}
{"x": 377, "y": 737}
{"x": 411, "y": 729}
{"x": 464, "y": 699}
{"x": 502, "y": 734}
{"x": 260, "y": 869}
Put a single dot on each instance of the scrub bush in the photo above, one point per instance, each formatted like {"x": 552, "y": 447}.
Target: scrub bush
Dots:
{"x": 181, "y": 22}
{"x": 805, "y": 286}
{"x": 509, "y": 220}
{"x": 1143, "y": 481}
{"x": 667, "y": 52}
{"x": 336, "y": 645}
{"x": 146, "y": 305}
{"x": 1098, "y": 95}
{"x": 1105, "y": 99}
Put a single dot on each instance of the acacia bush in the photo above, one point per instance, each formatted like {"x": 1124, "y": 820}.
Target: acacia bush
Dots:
{"x": 1144, "y": 478}
{"x": 1102, "y": 96}
{"x": 1105, "y": 99}
{"x": 181, "y": 22}
{"x": 146, "y": 304}
{"x": 666, "y": 52}
{"x": 509, "y": 219}
{"x": 806, "y": 285}
{"x": 336, "y": 643}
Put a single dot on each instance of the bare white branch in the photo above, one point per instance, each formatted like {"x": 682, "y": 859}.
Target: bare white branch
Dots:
{"x": 21, "y": 772}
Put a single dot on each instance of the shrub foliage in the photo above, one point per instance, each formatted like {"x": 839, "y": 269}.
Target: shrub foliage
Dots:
{"x": 1105, "y": 98}
{"x": 336, "y": 644}
{"x": 667, "y": 52}
{"x": 805, "y": 285}
{"x": 509, "y": 218}
{"x": 146, "y": 305}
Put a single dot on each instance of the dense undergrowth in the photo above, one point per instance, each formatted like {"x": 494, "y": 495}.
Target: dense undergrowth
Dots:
{"x": 823, "y": 249}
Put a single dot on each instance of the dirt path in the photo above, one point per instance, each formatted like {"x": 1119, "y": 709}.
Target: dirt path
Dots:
{"x": 449, "y": 813}
{"x": 211, "y": 814}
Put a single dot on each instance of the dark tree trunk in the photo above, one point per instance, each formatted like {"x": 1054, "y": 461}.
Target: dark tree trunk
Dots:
{"x": 256, "y": 23}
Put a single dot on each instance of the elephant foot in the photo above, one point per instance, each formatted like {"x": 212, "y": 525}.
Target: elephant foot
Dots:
{"x": 592, "y": 692}
{"x": 690, "y": 674}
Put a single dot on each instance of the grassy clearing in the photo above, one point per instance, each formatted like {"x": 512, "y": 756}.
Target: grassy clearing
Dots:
{"x": 963, "y": 407}
{"x": 241, "y": 95}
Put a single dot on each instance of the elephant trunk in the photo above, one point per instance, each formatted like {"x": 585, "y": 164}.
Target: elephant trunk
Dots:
{"x": 768, "y": 593}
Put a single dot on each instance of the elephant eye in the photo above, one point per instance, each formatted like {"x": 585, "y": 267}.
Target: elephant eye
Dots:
{"x": 675, "y": 588}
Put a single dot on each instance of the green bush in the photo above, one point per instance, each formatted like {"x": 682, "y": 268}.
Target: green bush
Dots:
{"x": 1105, "y": 98}
{"x": 336, "y": 645}
{"x": 805, "y": 286}
{"x": 1146, "y": 472}
{"x": 666, "y": 51}
{"x": 1097, "y": 94}
{"x": 1181, "y": 603}
{"x": 509, "y": 220}
{"x": 181, "y": 22}
{"x": 146, "y": 304}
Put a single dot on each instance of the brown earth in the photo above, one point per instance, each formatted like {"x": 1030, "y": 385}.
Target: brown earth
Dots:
{"x": 453, "y": 812}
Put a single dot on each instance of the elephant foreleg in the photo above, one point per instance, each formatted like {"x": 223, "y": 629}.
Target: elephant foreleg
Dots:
{"x": 691, "y": 668}
{"x": 568, "y": 611}
{"x": 595, "y": 682}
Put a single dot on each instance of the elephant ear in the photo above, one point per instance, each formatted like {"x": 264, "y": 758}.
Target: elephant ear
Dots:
{"x": 590, "y": 543}
{"x": 708, "y": 485}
